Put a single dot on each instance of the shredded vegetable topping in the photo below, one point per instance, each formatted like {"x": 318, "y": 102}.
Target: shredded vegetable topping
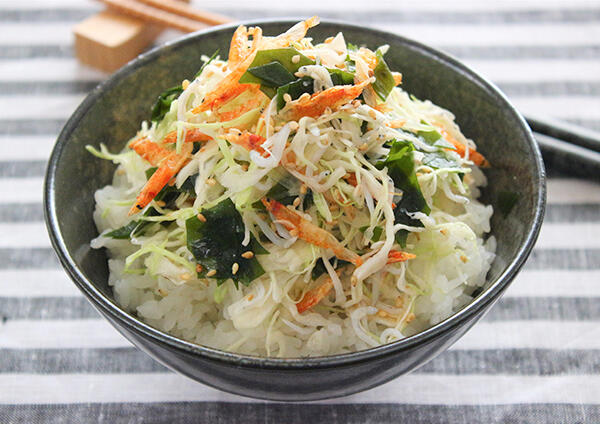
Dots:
{"x": 293, "y": 200}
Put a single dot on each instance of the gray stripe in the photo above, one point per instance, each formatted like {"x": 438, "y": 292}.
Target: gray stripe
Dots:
{"x": 46, "y": 15}
{"x": 569, "y": 259}
{"x": 21, "y": 212}
{"x": 46, "y": 87}
{"x": 31, "y": 127}
{"x": 540, "y": 259}
{"x": 399, "y": 16}
{"x": 591, "y": 52}
{"x": 36, "y": 258}
{"x": 9, "y": 52}
{"x": 296, "y": 413}
{"x": 26, "y": 168}
{"x": 546, "y": 308}
{"x": 572, "y": 213}
{"x": 558, "y": 88}
{"x": 33, "y": 212}
{"x": 454, "y": 362}
{"x": 508, "y": 309}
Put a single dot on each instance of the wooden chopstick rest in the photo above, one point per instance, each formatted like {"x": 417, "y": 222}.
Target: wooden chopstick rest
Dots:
{"x": 109, "y": 39}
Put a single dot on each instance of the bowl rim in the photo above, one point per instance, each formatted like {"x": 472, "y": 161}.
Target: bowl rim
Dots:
{"x": 110, "y": 308}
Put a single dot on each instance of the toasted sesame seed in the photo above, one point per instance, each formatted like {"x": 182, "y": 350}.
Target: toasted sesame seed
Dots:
{"x": 245, "y": 167}
{"x": 198, "y": 268}
{"x": 211, "y": 181}
{"x": 250, "y": 297}
{"x": 329, "y": 39}
{"x": 444, "y": 231}
{"x": 372, "y": 114}
{"x": 363, "y": 147}
{"x": 296, "y": 58}
{"x": 356, "y": 103}
{"x": 294, "y": 232}
{"x": 296, "y": 202}
{"x": 303, "y": 189}
{"x": 201, "y": 217}
{"x": 354, "y": 280}
{"x": 287, "y": 98}
{"x": 410, "y": 318}
{"x": 211, "y": 272}
{"x": 185, "y": 276}
{"x": 185, "y": 84}
{"x": 371, "y": 73}
{"x": 234, "y": 268}
{"x": 248, "y": 255}
{"x": 161, "y": 203}
{"x": 162, "y": 292}
{"x": 464, "y": 258}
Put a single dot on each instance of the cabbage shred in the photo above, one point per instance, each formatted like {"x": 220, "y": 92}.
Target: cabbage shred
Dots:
{"x": 384, "y": 174}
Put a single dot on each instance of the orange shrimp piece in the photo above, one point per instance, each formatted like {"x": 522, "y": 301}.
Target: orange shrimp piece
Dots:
{"x": 238, "y": 48}
{"x": 230, "y": 88}
{"x": 399, "y": 256}
{"x": 191, "y": 136}
{"x": 169, "y": 163}
{"x": 255, "y": 98}
{"x": 247, "y": 140}
{"x": 331, "y": 98}
{"x": 314, "y": 296}
{"x": 294, "y": 34}
{"x": 309, "y": 232}
{"x": 477, "y": 158}
{"x": 149, "y": 151}
{"x": 351, "y": 179}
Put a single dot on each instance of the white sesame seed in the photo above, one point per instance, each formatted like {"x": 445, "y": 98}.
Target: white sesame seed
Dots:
{"x": 185, "y": 84}
{"x": 234, "y": 268}
{"x": 211, "y": 272}
{"x": 296, "y": 58}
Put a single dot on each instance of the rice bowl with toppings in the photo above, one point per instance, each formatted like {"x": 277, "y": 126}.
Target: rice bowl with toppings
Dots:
{"x": 294, "y": 201}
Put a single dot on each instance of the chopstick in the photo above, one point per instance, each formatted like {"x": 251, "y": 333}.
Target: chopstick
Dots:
{"x": 566, "y": 148}
{"x": 177, "y": 16}
{"x": 182, "y": 9}
{"x": 561, "y": 130}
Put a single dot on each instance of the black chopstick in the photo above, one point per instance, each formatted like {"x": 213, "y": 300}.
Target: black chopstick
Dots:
{"x": 572, "y": 134}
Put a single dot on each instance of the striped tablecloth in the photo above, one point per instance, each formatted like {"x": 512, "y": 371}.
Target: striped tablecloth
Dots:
{"x": 534, "y": 359}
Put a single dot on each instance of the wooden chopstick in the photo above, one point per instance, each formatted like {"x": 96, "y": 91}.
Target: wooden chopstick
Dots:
{"x": 155, "y": 15}
{"x": 182, "y": 9}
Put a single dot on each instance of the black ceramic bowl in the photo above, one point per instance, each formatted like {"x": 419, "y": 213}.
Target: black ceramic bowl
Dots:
{"x": 112, "y": 113}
